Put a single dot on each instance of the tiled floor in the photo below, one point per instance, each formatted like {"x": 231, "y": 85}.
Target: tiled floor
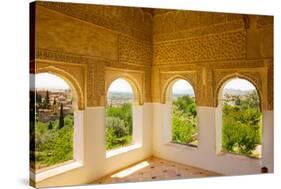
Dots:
{"x": 155, "y": 169}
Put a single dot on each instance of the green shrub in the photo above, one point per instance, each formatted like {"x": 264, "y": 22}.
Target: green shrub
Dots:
{"x": 118, "y": 126}
{"x": 241, "y": 131}
{"x": 112, "y": 141}
{"x": 184, "y": 122}
{"x": 182, "y": 130}
{"x": 239, "y": 138}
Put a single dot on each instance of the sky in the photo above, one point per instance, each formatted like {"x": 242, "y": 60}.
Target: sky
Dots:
{"x": 182, "y": 86}
{"x": 240, "y": 84}
{"x": 49, "y": 81}
{"x": 120, "y": 85}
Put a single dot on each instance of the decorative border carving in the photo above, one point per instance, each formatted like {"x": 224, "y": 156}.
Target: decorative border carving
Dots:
{"x": 99, "y": 84}
{"x": 68, "y": 74}
{"x": 125, "y": 62}
{"x": 95, "y": 72}
{"x": 168, "y": 78}
{"x": 134, "y": 77}
{"x": 254, "y": 76}
{"x": 207, "y": 80}
{"x": 226, "y": 46}
{"x": 46, "y": 54}
{"x": 90, "y": 85}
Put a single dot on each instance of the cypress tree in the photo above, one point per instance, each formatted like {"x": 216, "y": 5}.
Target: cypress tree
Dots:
{"x": 47, "y": 100}
{"x": 40, "y": 100}
{"x": 50, "y": 126}
{"x": 54, "y": 105}
{"x": 61, "y": 120}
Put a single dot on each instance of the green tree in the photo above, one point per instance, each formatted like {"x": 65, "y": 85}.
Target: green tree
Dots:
{"x": 237, "y": 100}
{"x": 61, "y": 118}
{"x": 183, "y": 102}
{"x": 251, "y": 101}
{"x": 254, "y": 101}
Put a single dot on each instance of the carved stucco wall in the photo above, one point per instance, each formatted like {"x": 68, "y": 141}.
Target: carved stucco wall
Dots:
{"x": 99, "y": 39}
{"x": 207, "y": 49}
{"x": 204, "y": 48}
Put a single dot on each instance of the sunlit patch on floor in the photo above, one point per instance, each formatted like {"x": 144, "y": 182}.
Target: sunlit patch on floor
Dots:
{"x": 130, "y": 170}
{"x": 155, "y": 169}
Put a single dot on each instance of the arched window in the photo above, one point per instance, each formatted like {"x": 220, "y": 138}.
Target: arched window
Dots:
{"x": 241, "y": 130}
{"x": 184, "y": 114}
{"x": 119, "y": 114}
{"x": 54, "y": 125}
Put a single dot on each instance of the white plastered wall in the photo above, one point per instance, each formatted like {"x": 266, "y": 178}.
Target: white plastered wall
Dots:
{"x": 95, "y": 164}
{"x": 154, "y": 119}
{"x": 205, "y": 156}
{"x": 267, "y": 140}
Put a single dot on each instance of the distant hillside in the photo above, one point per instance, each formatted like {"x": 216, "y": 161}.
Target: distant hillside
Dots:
{"x": 189, "y": 92}
{"x": 236, "y": 92}
{"x": 120, "y": 95}
{"x": 52, "y": 90}
{"x": 114, "y": 95}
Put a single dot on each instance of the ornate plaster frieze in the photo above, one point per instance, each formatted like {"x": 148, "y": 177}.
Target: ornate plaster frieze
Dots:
{"x": 184, "y": 20}
{"x": 240, "y": 63}
{"x": 46, "y": 54}
{"x": 131, "y": 21}
{"x": 199, "y": 31}
{"x": 126, "y": 62}
{"x": 226, "y": 46}
{"x": 134, "y": 51}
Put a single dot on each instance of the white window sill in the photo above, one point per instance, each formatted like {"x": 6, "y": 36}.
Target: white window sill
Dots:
{"x": 238, "y": 156}
{"x": 55, "y": 171}
{"x": 182, "y": 146}
{"x": 121, "y": 150}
